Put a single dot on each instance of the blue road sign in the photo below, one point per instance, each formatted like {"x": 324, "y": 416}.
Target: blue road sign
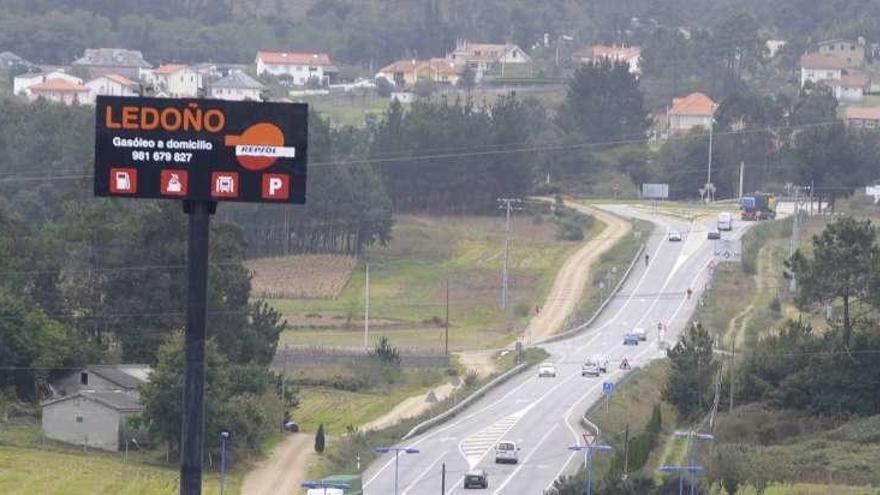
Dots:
{"x": 608, "y": 388}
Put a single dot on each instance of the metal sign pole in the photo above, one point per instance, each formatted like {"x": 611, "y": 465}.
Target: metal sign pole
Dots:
{"x": 194, "y": 347}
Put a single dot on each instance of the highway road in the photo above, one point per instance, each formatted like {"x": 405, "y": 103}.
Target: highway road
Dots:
{"x": 543, "y": 414}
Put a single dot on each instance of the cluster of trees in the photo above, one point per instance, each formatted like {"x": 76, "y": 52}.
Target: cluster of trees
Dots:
{"x": 779, "y": 139}
{"x": 825, "y": 372}
{"x": 55, "y": 31}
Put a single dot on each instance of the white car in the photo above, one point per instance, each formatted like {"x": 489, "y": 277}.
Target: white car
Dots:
{"x": 641, "y": 333}
{"x": 594, "y": 366}
{"x": 674, "y": 236}
{"x": 547, "y": 370}
{"x": 506, "y": 452}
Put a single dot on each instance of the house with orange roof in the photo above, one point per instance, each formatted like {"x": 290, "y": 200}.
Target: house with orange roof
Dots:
{"x": 630, "y": 55}
{"x": 406, "y": 73}
{"x": 482, "y": 58}
{"x": 174, "y": 80}
{"x": 22, "y": 82}
{"x": 112, "y": 85}
{"x": 59, "y": 91}
{"x": 862, "y": 117}
{"x": 692, "y": 111}
{"x": 299, "y": 67}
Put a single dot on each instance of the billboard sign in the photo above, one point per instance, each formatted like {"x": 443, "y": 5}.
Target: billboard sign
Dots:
{"x": 200, "y": 149}
{"x": 655, "y": 191}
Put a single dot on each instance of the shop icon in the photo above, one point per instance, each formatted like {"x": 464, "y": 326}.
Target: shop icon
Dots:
{"x": 123, "y": 180}
{"x": 174, "y": 182}
{"x": 224, "y": 184}
{"x": 276, "y": 186}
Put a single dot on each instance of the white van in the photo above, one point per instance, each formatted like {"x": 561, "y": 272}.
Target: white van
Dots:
{"x": 725, "y": 221}
{"x": 506, "y": 451}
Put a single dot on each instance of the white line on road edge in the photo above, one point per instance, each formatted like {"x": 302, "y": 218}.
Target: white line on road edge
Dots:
{"x": 526, "y": 460}
{"x": 424, "y": 473}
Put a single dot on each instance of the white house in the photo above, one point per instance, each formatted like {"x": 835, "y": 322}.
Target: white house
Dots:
{"x": 818, "y": 67}
{"x": 112, "y": 85}
{"x": 630, "y": 55}
{"x": 300, "y": 67}
{"x": 22, "y": 82}
{"x": 487, "y": 57}
{"x": 237, "y": 86}
{"x": 852, "y": 86}
{"x": 692, "y": 111}
{"x": 90, "y": 417}
{"x": 174, "y": 80}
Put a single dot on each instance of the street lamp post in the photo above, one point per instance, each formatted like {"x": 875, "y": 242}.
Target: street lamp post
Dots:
{"x": 325, "y": 484}
{"x": 397, "y": 451}
{"x": 670, "y": 468}
{"x": 224, "y": 438}
{"x": 588, "y": 462}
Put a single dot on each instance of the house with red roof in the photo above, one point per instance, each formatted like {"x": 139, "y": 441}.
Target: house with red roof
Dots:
{"x": 59, "y": 91}
{"x": 862, "y": 117}
{"x": 299, "y": 67}
{"x": 692, "y": 111}
{"x": 630, "y": 55}
{"x": 22, "y": 82}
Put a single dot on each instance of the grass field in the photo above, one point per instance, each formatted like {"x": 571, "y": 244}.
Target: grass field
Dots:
{"x": 407, "y": 286}
{"x": 28, "y": 471}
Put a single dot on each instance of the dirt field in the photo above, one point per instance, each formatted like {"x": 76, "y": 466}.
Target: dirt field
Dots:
{"x": 301, "y": 276}
{"x": 284, "y": 470}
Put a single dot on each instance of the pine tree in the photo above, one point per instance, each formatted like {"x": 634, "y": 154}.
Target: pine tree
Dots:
{"x": 319, "y": 439}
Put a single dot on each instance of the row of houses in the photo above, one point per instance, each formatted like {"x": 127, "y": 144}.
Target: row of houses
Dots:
{"x": 838, "y": 64}
{"x": 503, "y": 60}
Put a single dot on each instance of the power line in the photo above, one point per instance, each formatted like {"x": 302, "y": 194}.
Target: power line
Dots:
{"x": 488, "y": 152}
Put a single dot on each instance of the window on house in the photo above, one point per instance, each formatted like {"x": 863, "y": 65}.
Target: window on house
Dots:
{"x": 79, "y": 419}
{"x": 870, "y": 124}
{"x": 831, "y": 48}
{"x": 83, "y": 378}
{"x": 852, "y": 48}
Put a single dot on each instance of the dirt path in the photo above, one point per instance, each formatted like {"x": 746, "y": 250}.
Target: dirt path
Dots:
{"x": 568, "y": 288}
{"x": 284, "y": 470}
{"x": 410, "y": 407}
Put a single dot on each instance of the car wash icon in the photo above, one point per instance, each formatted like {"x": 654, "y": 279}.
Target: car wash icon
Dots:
{"x": 260, "y": 146}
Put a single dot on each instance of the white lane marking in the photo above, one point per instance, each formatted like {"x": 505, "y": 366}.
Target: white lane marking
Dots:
{"x": 476, "y": 446}
{"x": 422, "y": 475}
{"x": 526, "y": 460}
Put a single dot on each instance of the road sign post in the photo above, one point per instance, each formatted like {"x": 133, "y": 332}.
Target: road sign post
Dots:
{"x": 202, "y": 152}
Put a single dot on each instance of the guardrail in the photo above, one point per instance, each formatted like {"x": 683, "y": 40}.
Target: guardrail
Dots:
{"x": 452, "y": 411}
{"x": 583, "y": 326}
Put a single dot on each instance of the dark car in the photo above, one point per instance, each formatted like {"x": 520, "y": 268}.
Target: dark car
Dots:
{"x": 476, "y": 479}
{"x": 631, "y": 339}
{"x": 714, "y": 235}
{"x": 291, "y": 427}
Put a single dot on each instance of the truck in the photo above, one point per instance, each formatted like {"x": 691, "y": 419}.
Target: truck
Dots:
{"x": 758, "y": 206}
{"x": 725, "y": 221}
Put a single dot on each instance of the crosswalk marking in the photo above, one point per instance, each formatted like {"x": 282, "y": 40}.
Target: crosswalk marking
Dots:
{"x": 477, "y": 445}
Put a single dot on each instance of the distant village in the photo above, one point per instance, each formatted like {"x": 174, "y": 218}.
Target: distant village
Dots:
{"x": 840, "y": 65}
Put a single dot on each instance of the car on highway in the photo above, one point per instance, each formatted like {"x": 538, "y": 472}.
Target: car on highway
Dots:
{"x": 714, "y": 235}
{"x": 630, "y": 339}
{"x": 590, "y": 368}
{"x": 476, "y": 478}
{"x": 594, "y": 366}
{"x": 506, "y": 452}
{"x": 547, "y": 370}
{"x": 674, "y": 236}
{"x": 641, "y": 333}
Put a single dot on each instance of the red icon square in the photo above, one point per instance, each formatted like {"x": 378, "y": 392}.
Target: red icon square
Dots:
{"x": 123, "y": 180}
{"x": 224, "y": 184}
{"x": 276, "y": 186}
{"x": 174, "y": 182}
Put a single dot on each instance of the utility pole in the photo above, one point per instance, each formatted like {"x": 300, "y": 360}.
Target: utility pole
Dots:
{"x": 709, "y": 193}
{"x": 443, "y": 479}
{"x": 732, "y": 369}
{"x": 795, "y": 235}
{"x": 367, "y": 309}
{"x": 626, "y": 452}
{"x": 507, "y": 204}
{"x": 742, "y": 172}
{"x": 446, "y": 322}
